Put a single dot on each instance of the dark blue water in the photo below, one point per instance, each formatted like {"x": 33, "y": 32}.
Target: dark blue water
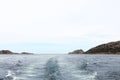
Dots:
{"x": 60, "y": 67}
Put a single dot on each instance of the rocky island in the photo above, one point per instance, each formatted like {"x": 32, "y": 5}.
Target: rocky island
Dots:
{"x": 107, "y": 48}
{"x": 80, "y": 51}
{"x": 10, "y": 52}
{"x": 6, "y": 52}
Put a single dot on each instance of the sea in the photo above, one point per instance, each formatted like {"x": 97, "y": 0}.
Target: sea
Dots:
{"x": 60, "y": 67}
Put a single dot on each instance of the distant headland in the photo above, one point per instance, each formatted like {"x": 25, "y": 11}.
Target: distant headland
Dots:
{"x": 10, "y": 52}
{"x": 107, "y": 48}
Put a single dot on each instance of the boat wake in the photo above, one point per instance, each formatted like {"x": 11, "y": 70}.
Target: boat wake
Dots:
{"x": 73, "y": 71}
{"x": 10, "y": 76}
{"x": 52, "y": 68}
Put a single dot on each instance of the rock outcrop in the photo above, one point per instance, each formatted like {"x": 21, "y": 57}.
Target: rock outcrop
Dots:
{"x": 6, "y": 52}
{"x": 10, "y": 52}
{"x": 26, "y": 53}
{"x": 80, "y": 51}
{"x": 108, "y": 48}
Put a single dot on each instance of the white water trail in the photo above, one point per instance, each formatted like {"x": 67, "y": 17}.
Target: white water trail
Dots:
{"x": 72, "y": 72}
{"x": 54, "y": 68}
{"x": 10, "y": 76}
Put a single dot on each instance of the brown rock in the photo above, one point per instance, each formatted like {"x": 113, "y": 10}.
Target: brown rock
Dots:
{"x": 108, "y": 48}
{"x": 26, "y": 53}
{"x": 80, "y": 51}
{"x": 6, "y": 52}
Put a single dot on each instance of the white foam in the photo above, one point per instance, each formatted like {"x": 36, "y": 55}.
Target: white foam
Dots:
{"x": 10, "y": 75}
{"x": 71, "y": 70}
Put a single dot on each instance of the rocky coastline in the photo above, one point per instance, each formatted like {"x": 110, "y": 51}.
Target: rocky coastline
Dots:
{"x": 10, "y": 52}
{"x": 107, "y": 48}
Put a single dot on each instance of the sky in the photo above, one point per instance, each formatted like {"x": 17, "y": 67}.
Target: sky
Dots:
{"x": 57, "y": 26}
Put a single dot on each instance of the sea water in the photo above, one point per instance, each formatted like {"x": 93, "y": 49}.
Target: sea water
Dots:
{"x": 60, "y": 67}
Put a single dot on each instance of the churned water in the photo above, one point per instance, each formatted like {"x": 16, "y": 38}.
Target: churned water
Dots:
{"x": 60, "y": 67}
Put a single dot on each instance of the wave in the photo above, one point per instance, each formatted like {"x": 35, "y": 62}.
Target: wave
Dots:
{"x": 52, "y": 71}
{"x": 55, "y": 68}
{"x": 77, "y": 69}
{"x": 10, "y": 76}
{"x": 110, "y": 75}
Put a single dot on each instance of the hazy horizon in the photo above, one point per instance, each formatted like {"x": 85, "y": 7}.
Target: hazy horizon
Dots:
{"x": 57, "y": 26}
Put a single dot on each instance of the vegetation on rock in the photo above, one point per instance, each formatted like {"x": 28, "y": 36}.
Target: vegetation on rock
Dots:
{"x": 112, "y": 47}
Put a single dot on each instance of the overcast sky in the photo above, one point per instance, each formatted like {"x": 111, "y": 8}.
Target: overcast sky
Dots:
{"x": 57, "y": 26}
